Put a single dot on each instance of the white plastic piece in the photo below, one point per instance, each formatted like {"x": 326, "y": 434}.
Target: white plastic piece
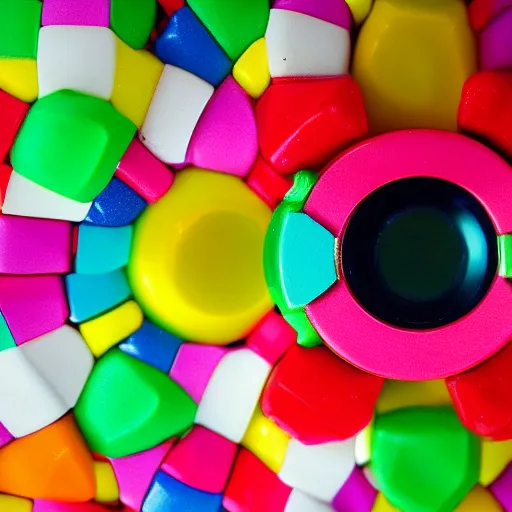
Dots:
{"x": 63, "y": 359}
{"x": 318, "y": 470}
{"x": 363, "y": 447}
{"x": 175, "y": 109}
{"x": 79, "y": 58}
{"x": 368, "y": 473}
{"x": 300, "y": 45}
{"x": 232, "y": 394}
{"x": 27, "y": 402}
{"x": 28, "y": 199}
{"x": 300, "y": 502}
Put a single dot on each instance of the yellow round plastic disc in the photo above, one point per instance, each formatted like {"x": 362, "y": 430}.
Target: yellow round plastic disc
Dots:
{"x": 196, "y": 265}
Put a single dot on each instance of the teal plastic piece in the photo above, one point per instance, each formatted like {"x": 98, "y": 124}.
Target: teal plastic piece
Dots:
{"x": 102, "y": 250}
{"x": 306, "y": 259}
{"x": 91, "y": 295}
{"x": 6, "y": 339}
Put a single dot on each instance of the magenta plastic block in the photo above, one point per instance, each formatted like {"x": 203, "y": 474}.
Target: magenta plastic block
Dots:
{"x": 32, "y": 306}
{"x": 502, "y": 489}
{"x": 34, "y": 246}
{"x": 357, "y": 495}
{"x": 90, "y": 13}
{"x": 144, "y": 173}
{"x": 5, "y": 436}
{"x": 135, "y": 473}
{"x": 194, "y": 366}
{"x": 496, "y": 42}
{"x": 333, "y": 11}
{"x": 226, "y": 137}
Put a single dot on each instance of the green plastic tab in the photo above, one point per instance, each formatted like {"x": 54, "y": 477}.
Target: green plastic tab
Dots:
{"x": 505, "y": 255}
{"x": 19, "y": 28}
{"x": 424, "y": 459}
{"x": 133, "y": 20}
{"x": 235, "y": 24}
{"x": 71, "y": 143}
{"x": 128, "y": 406}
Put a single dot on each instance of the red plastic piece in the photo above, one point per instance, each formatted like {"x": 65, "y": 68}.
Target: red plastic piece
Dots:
{"x": 266, "y": 183}
{"x": 12, "y": 113}
{"x": 482, "y": 396}
{"x": 272, "y": 337}
{"x": 202, "y": 460}
{"x": 485, "y": 109}
{"x": 254, "y": 488}
{"x": 482, "y": 12}
{"x": 304, "y": 123}
{"x": 171, "y": 6}
{"x": 5, "y": 176}
{"x": 317, "y": 397}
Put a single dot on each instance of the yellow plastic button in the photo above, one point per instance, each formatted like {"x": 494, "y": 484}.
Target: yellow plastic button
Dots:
{"x": 18, "y": 77}
{"x": 411, "y": 60}
{"x": 105, "y": 331}
{"x": 360, "y": 9}
{"x": 196, "y": 265}
{"x": 479, "y": 500}
{"x": 382, "y": 504}
{"x": 251, "y": 70}
{"x": 266, "y": 440}
{"x": 107, "y": 490}
{"x": 397, "y": 394}
{"x": 14, "y": 504}
{"x": 494, "y": 459}
{"x": 136, "y": 78}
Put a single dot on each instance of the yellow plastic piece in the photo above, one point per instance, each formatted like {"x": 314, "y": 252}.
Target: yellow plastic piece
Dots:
{"x": 107, "y": 490}
{"x": 382, "y": 505}
{"x": 14, "y": 504}
{"x": 494, "y": 459}
{"x": 397, "y": 394}
{"x": 136, "y": 78}
{"x": 363, "y": 447}
{"x": 266, "y": 440}
{"x": 479, "y": 500}
{"x": 251, "y": 70}
{"x": 105, "y": 331}
{"x": 360, "y": 9}
{"x": 411, "y": 60}
{"x": 18, "y": 77}
{"x": 196, "y": 265}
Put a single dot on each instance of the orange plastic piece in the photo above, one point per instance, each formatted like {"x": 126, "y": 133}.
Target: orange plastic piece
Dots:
{"x": 51, "y": 464}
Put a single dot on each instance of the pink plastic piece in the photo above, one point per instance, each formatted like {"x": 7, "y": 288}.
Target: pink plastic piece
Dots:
{"x": 502, "y": 489}
{"x": 5, "y": 436}
{"x": 272, "y": 337}
{"x": 333, "y": 11}
{"x": 356, "y": 495}
{"x": 135, "y": 473}
{"x": 226, "y": 137}
{"x": 202, "y": 460}
{"x": 32, "y": 306}
{"x": 91, "y": 13}
{"x": 55, "y": 506}
{"x": 194, "y": 365}
{"x": 34, "y": 246}
{"x": 496, "y": 42}
{"x": 343, "y": 324}
{"x": 144, "y": 173}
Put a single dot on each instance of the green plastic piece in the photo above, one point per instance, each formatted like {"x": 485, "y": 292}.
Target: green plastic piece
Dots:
{"x": 71, "y": 143}
{"x": 505, "y": 255}
{"x": 6, "y": 339}
{"x": 133, "y": 20}
{"x": 235, "y": 24}
{"x": 294, "y": 201}
{"x": 424, "y": 460}
{"x": 19, "y": 28}
{"x": 128, "y": 406}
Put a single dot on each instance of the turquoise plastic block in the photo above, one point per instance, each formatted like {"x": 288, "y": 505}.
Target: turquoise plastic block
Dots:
{"x": 90, "y": 295}
{"x": 6, "y": 339}
{"x": 101, "y": 250}
{"x": 307, "y": 260}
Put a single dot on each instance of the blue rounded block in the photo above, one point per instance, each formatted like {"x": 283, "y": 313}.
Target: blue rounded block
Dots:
{"x": 188, "y": 45}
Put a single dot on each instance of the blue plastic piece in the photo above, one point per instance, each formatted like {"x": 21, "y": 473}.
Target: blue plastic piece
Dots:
{"x": 307, "y": 259}
{"x": 187, "y": 44}
{"x": 101, "y": 250}
{"x": 90, "y": 295}
{"x": 118, "y": 205}
{"x": 167, "y": 494}
{"x": 152, "y": 345}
